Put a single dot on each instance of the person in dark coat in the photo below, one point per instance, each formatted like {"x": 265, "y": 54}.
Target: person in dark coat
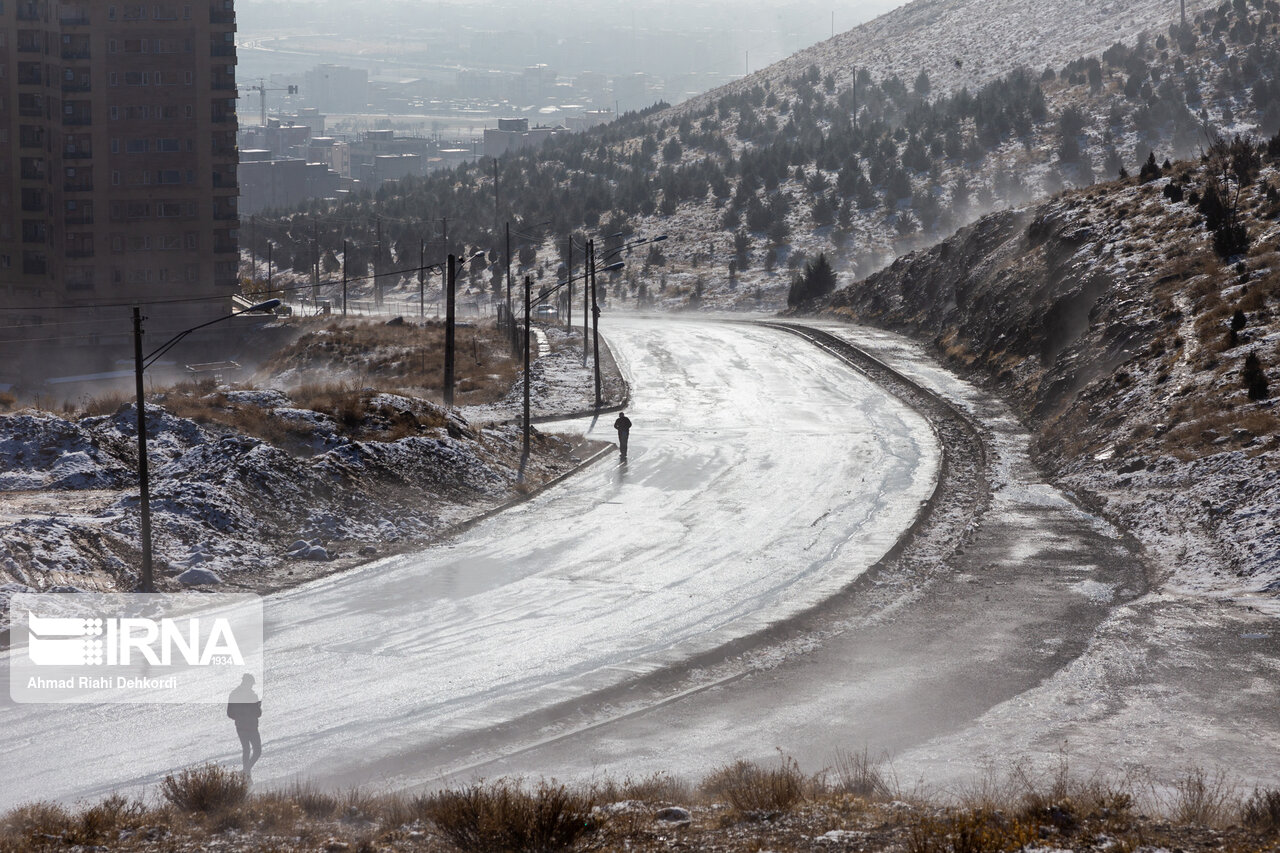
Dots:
{"x": 623, "y": 426}
{"x": 244, "y": 707}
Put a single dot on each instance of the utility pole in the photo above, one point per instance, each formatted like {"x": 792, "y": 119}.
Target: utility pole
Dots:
{"x": 377, "y": 268}
{"x": 344, "y": 278}
{"x": 270, "y": 272}
{"x": 444, "y": 273}
{"x": 510, "y": 319}
{"x": 586, "y": 295}
{"x": 422, "y": 275}
{"x": 315, "y": 267}
{"x": 144, "y": 485}
{"x": 595, "y": 323}
{"x": 524, "y": 454}
{"x": 1184, "y": 14}
{"x": 452, "y": 274}
{"x": 568, "y": 321}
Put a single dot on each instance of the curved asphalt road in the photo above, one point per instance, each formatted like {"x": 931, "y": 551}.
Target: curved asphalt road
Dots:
{"x": 765, "y": 475}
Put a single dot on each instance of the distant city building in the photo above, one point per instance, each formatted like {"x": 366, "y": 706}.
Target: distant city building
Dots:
{"x": 516, "y": 135}
{"x": 337, "y": 89}
{"x": 118, "y": 176}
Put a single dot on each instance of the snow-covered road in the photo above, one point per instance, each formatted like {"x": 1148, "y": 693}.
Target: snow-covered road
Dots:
{"x": 764, "y": 476}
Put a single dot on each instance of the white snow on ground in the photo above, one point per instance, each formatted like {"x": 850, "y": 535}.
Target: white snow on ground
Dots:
{"x": 562, "y": 384}
{"x": 1168, "y": 681}
{"x": 231, "y": 503}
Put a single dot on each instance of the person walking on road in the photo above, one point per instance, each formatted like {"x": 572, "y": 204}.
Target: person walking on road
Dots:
{"x": 623, "y": 426}
{"x": 244, "y": 707}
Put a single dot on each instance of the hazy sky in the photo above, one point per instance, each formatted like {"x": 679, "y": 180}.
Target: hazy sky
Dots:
{"x": 699, "y": 36}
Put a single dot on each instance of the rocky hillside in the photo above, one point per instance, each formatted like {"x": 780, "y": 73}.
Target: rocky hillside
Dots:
{"x": 1137, "y": 325}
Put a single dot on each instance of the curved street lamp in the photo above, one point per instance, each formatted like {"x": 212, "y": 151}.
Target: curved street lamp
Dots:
{"x": 140, "y": 364}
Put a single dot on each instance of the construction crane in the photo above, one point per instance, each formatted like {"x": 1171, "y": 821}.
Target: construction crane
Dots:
{"x": 262, "y": 90}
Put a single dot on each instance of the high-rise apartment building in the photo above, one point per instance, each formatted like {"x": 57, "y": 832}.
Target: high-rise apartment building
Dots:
{"x": 117, "y": 167}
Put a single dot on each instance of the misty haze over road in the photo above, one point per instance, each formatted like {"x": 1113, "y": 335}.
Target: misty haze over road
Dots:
{"x": 763, "y": 477}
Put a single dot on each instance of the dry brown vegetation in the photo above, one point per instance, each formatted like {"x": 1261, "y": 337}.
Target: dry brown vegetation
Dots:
{"x": 407, "y": 358}
{"x": 744, "y": 806}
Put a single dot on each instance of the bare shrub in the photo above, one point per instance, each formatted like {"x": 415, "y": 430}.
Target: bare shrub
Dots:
{"x": 313, "y": 802}
{"x": 1200, "y": 797}
{"x": 657, "y": 788}
{"x": 1261, "y": 811}
{"x": 860, "y": 775}
{"x": 755, "y": 791}
{"x": 107, "y": 404}
{"x": 209, "y": 788}
{"x": 503, "y": 815}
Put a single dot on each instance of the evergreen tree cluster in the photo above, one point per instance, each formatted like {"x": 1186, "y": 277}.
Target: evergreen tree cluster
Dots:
{"x": 803, "y": 153}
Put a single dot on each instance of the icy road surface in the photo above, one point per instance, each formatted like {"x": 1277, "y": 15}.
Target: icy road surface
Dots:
{"x": 764, "y": 476}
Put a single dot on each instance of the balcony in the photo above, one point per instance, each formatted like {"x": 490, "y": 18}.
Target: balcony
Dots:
{"x": 28, "y": 12}
{"x": 74, "y": 18}
{"x": 76, "y": 86}
{"x": 32, "y": 173}
{"x": 31, "y": 106}
{"x": 77, "y": 119}
{"x": 77, "y": 155}
{"x": 76, "y": 53}
{"x": 28, "y": 75}
{"x": 78, "y": 187}
{"x": 34, "y": 264}
{"x": 218, "y": 16}
{"x": 222, "y": 50}
{"x": 80, "y": 252}
{"x": 78, "y": 219}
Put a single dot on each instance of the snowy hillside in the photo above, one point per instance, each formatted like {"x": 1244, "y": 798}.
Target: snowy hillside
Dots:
{"x": 968, "y": 42}
{"x": 1137, "y": 324}
{"x": 860, "y": 148}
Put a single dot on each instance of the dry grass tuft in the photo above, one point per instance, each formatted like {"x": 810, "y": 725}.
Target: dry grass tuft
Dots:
{"x": 503, "y": 815}
{"x": 758, "y": 792}
{"x": 859, "y": 775}
{"x": 209, "y": 788}
{"x": 1261, "y": 811}
{"x": 970, "y": 831}
{"x": 1200, "y": 797}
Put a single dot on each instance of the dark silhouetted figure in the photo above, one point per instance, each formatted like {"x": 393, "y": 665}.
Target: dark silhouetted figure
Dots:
{"x": 245, "y": 708}
{"x": 623, "y": 426}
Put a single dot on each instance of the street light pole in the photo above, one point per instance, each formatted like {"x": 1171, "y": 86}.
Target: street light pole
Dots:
{"x": 568, "y": 301}
{"x": 140, "y": 364}
{"x": 595, "y": 323}
{"x": 449, "y": 331}
{"x": 144, "y": 481}
{"x": 586, "y": 288}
